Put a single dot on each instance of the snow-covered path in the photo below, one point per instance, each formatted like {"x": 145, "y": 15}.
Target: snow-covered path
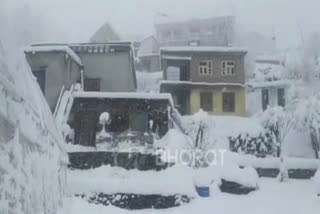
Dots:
{"x": 294, "y": 197}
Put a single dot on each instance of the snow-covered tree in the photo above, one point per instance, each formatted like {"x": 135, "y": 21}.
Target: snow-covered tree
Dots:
{"x": 279, "y": 122}
{"x": 308, "y": 115}
{"x": 304, "y": 61}
{"x": 200, "y": 134}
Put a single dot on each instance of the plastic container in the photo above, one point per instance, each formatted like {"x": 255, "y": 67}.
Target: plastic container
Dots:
{"x": 203, "y": 191}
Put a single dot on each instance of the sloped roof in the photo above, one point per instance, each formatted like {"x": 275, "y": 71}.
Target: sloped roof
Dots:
{"x": 149, "y": 46}
{"x": 105, "y": 33}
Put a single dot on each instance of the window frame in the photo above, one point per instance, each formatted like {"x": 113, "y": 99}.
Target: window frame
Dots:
{"x": 226, "y": 68}
{"x": 205, "y": 70}
{"x": 224, "y": 110}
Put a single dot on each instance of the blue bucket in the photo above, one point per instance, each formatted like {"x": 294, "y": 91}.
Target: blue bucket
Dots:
{"x": 203, "y": 191}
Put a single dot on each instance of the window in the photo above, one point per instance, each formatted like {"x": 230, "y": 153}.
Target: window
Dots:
{"x": 281, "y": 97}
{"x": 228, "y": 102}
{"x": 205, "y": 67}
{"x": 228, "y": 68}
{"x": 41, "y": 78}
{"x": 206, "y": 101}
{"x": 265, "y": 98}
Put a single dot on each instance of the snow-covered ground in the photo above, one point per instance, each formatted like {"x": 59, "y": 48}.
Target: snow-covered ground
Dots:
{"x": 294, "y": 197}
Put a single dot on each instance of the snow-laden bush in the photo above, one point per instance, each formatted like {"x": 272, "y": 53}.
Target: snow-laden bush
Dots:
{"x": 262, "y": 145}
{"x": 243, "y": 135}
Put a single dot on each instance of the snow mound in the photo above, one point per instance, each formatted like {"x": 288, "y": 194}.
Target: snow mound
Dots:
{"x": 111, "y": 180}
{"x": 173, "y": 140}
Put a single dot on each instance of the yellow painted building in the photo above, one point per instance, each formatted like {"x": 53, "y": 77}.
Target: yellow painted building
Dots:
{"x": 207, "y": 78}
{"x": 238, "y": 107}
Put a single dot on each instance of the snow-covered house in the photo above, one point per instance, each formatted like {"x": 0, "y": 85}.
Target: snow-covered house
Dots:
{"x": 149, "y": 55}
{"x": 266, "y": 94}
{"x": 97, "y": 66}
{"x": 213, "y": 31}
{"x": 207, "y": 78}
{"x": 269, "y": 84}
{"x": 131, "y": 116}
{"x": 54, "y": 67}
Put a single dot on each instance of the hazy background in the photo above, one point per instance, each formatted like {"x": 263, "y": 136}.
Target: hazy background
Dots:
{"x": 77, "y": 20}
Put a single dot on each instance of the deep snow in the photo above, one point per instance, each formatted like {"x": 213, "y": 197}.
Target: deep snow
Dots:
{"x": 294, "y": 197}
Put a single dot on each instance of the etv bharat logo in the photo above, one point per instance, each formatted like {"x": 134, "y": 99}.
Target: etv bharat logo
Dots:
{"x": 192, "y": 157}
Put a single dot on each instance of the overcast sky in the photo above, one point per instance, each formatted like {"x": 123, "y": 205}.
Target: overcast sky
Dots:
{"x": 77, "y": 20}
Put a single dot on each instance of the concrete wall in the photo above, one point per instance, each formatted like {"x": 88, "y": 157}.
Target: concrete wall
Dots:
{"x": 114, "y": 69}
{"x": 216, "y": 31}
{"x": 60, "y": 71}
{"x": 150, "y": 63}
{"x": 240, "y": 100}
{"x": 216, "y": 58}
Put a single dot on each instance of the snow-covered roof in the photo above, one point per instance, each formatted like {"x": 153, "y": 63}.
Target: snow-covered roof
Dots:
{"x": 278, "y": 83}
{"x": 204, "y": 49}
{"x": 54, "y": 48}
{"x": 266, "y": 69}
{"x": 125, "y": 95}
{"x": 176, "y": 57}
{"x": 149, "y": 55}
{"x": 201, "y": 83}
{"x": 165, "y": 19}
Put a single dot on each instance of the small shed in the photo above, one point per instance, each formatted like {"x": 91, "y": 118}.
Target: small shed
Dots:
{"x": 132, "y": 116}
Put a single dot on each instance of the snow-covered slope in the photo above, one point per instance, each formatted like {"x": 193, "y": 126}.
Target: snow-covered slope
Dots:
{"x": 31, "y": 158}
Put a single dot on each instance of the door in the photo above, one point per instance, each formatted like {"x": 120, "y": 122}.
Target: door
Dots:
{"x": 41, "y": 78}
{"x": 185, "y": 72}
{"x": 281, "y": 97}
{"x": 206, "y": 102}
{"x": 265, "y": 98}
